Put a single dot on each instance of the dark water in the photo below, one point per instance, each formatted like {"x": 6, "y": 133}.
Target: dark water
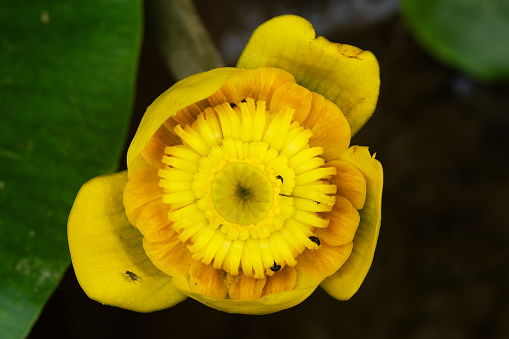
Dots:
{"x": 441, "y": 266}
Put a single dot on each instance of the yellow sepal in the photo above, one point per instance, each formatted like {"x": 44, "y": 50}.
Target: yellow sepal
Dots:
{"x": 184, "y": 93}
{"x": 344, "y": 74}
{"x": 346, "y": 281}
{"x": 104, "y": 246}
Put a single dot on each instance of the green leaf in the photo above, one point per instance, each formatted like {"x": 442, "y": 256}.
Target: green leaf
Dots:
{"x": 470, "y": 35}
{"x": 66, "y": 89}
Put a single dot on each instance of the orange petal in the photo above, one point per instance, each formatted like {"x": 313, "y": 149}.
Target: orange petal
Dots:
{"x": 185, "y": 116}
{"x": 165, "y": 136}
{"x": 138, "y": 163}
{"x": 260, "y": 83}
{"x": 227, "y": 93}
{"x": 324, "y": 261}
{"x": 330, "y": 128}
{"x": 343, "y": 223}
{"x": 350, "y": 183}
{"x": 153, "y": 221}
{"x": 281, "y": 281}
{"x": 344, "y": 283}
{"x": 242, "y": 287}
{"x": 269, "y": 303}
{"x": 294, "y": 96}
{"x": 171, "y": 255}
{"x": 205, "y": 279}
{"x": 154, "y": 150}
{"x": 141, "y": 189}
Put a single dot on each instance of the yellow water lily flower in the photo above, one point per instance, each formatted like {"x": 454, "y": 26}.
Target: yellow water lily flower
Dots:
{"x": 242, "y": 190}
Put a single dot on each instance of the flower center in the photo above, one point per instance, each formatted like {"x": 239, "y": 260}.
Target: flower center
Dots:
{"x": 245, "y": 188}
{"x": 241, "y": 193}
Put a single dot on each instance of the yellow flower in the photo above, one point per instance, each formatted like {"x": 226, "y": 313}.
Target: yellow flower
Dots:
{"x": 241, "y": 185}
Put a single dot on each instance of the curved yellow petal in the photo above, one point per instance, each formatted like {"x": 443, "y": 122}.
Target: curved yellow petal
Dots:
{"x": 324, "y": 261}
{"x": 347, "y": 280}
{"x": 138, "y": 163}
{"x": 153, "y": 222}
{"x": 266, "y": 304}
{"x": 141, "y": 190}
{"x": 294, "y": 96}
{"x": 282, "y": 281}
{"x": 207, "y": 280}
{"x": 107, "y": 252}
{"x": 154, "y": 149}
{"x": 344, "y": 220}
{"x": 350, "y": 183}
{"x": 344, "y": 74}
{"x": 260, "y": 84}
{"x": 184, "y": 93}
{"x": 244, "y": 288}
{"x": 329, "y": 126}
{"x": 171, "y": 256}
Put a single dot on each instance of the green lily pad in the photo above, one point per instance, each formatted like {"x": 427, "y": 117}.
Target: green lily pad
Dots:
{"x": 67, "y": 73}
{"x": 470, "y": 35}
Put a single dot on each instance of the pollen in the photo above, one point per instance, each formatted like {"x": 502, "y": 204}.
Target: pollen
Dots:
{"x": 244, "y": 186}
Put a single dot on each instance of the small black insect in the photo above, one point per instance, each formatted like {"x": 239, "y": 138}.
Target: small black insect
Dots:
{"x": 315, "y": 240}
{"x": 280, "y": 178}
{"x": 243, "y": 100}
{"x": 275, "y": 267}
{"x": 284, "y": 195}
{"x": 232, "y": 105}
{"x": 133, "y": 276}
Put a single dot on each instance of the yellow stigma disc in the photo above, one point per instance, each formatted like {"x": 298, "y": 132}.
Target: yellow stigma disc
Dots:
{"x": 242, "y": 193}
